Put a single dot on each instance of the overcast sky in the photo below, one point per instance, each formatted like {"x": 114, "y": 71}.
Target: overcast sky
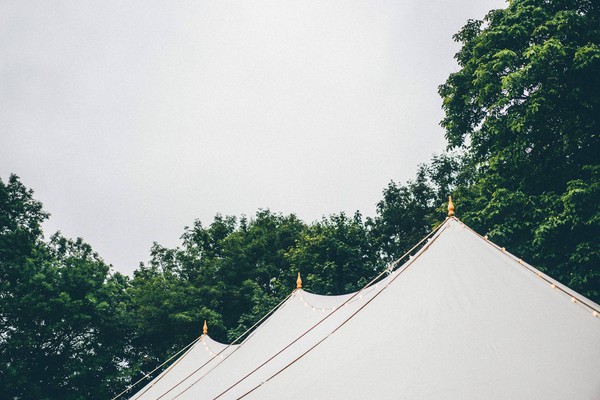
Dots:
{"x": 131, "y": 119}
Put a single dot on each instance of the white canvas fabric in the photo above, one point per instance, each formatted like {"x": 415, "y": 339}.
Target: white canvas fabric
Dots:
{"x": 462, "y": 320}
{"x": 195, "y": 377}
{"x": 299, "y": 323}
{"x": 204, "y": 353}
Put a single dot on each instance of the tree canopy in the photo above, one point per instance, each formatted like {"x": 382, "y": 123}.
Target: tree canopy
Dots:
{"x": 525, "y": 100}
{"x": 63, "y": 317}
{"x": 524, "y": 109}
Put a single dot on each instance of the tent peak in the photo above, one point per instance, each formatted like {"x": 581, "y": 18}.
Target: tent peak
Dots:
{"x": 205, "y": 328}
{"x": 450, "y": 207}
{"x": 299, "y": 282}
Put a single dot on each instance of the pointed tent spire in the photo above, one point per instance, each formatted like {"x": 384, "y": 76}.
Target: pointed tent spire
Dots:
{"x": 450, "y": 207}
{"x": 205, "y": 328}
{"x": 299, "y": 282}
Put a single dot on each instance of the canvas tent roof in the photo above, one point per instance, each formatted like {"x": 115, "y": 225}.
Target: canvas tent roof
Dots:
{"x": 202, "y": 355}
{"x": 462, "y": 319}
{"x": 300, "y": 321}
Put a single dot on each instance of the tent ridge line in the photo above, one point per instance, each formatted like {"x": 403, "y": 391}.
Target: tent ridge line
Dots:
{"x": 580, "y": 298}
{"x": 281, "y": 304}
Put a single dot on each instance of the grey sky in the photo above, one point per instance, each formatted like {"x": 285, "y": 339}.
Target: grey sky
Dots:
{"x": 132, "y": 119}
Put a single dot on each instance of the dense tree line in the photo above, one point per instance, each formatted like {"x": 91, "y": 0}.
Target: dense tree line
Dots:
{"x": 521, "y": 119}
{"x": 64, "y": 327}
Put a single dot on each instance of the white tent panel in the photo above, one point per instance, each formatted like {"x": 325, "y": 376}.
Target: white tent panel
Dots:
{"x": 303, "y": 320}
{"x": 463, "y": 320}
{"x": 203, "y": 354}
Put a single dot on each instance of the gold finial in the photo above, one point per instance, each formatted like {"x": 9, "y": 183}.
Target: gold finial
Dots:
{"x": 205, "y": 328}
{"x": 299, "y": 282}
{"x": 450, "y": 207}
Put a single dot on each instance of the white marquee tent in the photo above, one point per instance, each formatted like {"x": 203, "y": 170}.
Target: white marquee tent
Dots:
{"x": 297, "y": 324}
{"x": 462, "y": 319}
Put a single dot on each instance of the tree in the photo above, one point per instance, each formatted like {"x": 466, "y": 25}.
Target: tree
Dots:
{"x": 20, "y": 241}
{"x": 409, "y": 212}
{"x": 525, "y": 100}
{"x": 335, "y": 255}
{"x": 63, "y": 320}
{"x": 234, "y": 272}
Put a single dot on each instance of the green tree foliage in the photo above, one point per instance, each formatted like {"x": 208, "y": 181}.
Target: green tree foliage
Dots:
{"x": 335, "y": 255}
{"x": 63, "y": 329}
{"x": 525, "y": 109}
{"x": 525, "y": 100}
{"x": 20, "y": 241}
{"x": 408, "y": 212}
{"x": 233, "y": 272}
{"x": 165, "y": 313}
{"x": 237, "y": 270}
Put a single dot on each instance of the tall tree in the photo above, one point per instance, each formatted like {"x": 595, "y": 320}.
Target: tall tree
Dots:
{"x": 524, "y": 107}
{"x": 20, "y": 242}
{"x": 63, "y": 319}
{"x": 525, "y": 99}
